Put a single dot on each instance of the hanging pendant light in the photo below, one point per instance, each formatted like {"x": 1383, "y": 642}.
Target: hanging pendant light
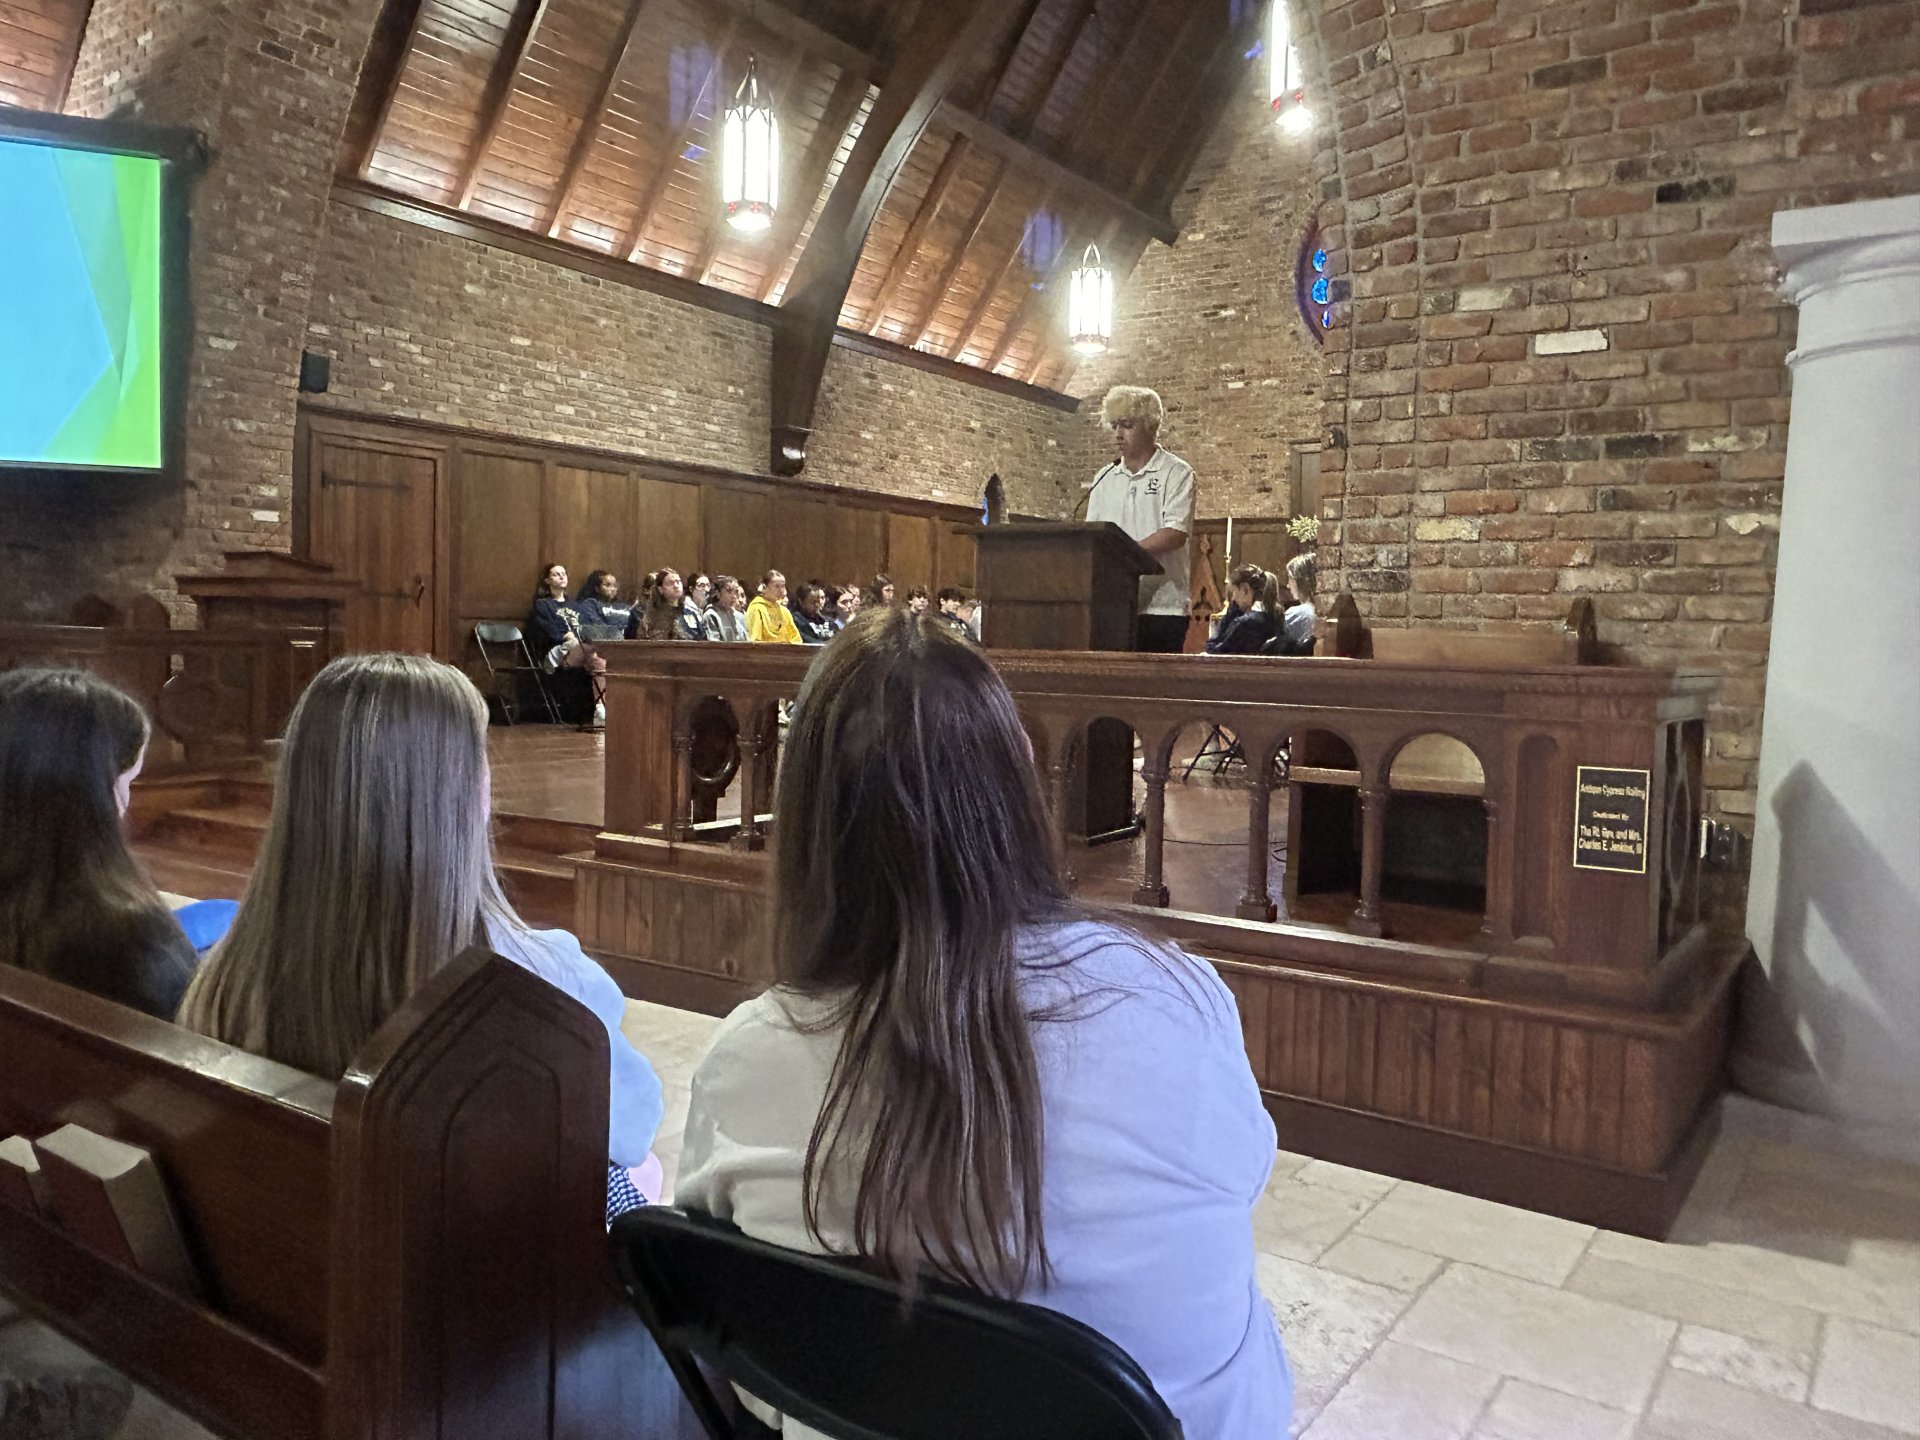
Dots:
{"x": 749, "y": 157}
{"x": 1090, "y": 304}
{"x": 1287, "y": 85}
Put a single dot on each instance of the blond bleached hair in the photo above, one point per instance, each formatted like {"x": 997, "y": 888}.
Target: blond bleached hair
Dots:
{"x": 376, "y": 868}
{"x": 1133, "y": 402}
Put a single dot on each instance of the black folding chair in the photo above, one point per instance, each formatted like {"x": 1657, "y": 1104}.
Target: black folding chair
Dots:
{"x": 842, "y": 1350}
{"x": 504, "y": 679}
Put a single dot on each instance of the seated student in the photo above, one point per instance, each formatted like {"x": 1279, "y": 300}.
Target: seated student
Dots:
{"x": 849, "y": 607}
{"x": 810, "y": 616}
{"x": 73, "y": 903}
{"x": 970, "y": 613}
{"x": 726, "y": 620}
{"x": 599, "y": 603}
{"x": 662, "y": 606}
{"x": 554, "y": 628}
{"x": 879, "y": 593}
{"x": 1299, "y": 621}
{"x": 768, "y": 619}
{"x": 951, "y": 598}
{"x": 693, "y": 608}
{"x": 963, "y": 1074}
{"x": 1253, "y": 613}
{"x": 918, "y": 600}
{"x": 375, "y": 871}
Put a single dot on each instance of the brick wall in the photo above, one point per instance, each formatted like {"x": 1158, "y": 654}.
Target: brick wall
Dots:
{"x": 1562, "y": 369}
{"x": 426, "y": 325}
{"x": 268, "y": 84}
{"x": 1211, "y": 323}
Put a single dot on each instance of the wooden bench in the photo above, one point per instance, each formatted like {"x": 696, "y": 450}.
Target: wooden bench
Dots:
{"x": 417, "y": 1251}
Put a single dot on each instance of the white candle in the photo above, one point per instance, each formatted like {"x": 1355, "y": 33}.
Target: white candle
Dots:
{"x": 1229, "y": 537}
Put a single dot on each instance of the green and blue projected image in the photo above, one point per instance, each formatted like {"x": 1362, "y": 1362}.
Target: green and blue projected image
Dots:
{"x": 80, "y": 277}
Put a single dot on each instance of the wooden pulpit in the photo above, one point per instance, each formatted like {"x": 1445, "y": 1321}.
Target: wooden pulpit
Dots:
{"x": 1064, "y": 585}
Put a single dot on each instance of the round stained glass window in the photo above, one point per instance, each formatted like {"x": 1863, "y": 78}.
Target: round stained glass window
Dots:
{"x": 1313, "y": 285}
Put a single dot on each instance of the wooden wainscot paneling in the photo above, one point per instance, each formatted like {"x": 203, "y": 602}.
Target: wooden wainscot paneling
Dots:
{"x": 444, "y": 527}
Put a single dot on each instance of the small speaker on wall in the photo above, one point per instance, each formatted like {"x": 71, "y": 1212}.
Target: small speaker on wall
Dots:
{"x": 315, "y": 370}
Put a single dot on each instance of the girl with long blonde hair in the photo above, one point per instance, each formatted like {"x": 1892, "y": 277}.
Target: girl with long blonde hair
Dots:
{"x": 377, "y": 870}
{"x": 959, "y": 1073}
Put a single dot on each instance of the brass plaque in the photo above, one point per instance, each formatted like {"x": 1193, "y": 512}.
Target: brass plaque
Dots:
{"x": 1610, "y": 819}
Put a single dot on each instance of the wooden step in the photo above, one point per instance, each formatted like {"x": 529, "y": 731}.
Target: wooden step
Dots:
{"x": 540, "y": 886}
{"x": 233, "y": 832}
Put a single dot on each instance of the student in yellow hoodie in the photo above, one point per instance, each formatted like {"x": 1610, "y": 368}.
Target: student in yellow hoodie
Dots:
{"x": 768, "y": 618}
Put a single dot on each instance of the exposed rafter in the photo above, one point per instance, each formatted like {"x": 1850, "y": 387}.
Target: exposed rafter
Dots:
{"x": 923, "y": 218}
{"x": 1098, "y": 113}
{"x": 1068, "y": 181}
{"x": 1038, "y": 295}
{"x": 1155, "y": 103}
{"x": 842, "y": 106}
{"x": 502, "y": 81}
{"x": 804, "y": 33}
{"x": 591, "y": 122}
{"x": 395, "y": 33}
{"x": 989, "y": 292}
{"x": 1053, "y": 68}
{"x": 996, "y": 72}
{"x": 936, "y": 46}
{"x": 1225, "y": 78}
{"x": 670, "y": 161}
{"x": 930, "y": 306}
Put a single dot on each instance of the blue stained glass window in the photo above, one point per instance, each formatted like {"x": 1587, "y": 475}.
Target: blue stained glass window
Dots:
{"x": 1321, "y": 290}
{"x": 1319, "y": 262}
{"x": 1326, "y": 319}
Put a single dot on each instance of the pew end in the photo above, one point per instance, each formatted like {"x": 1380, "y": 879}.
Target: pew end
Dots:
{"x": 418, "y": 1250}
{"x": 1573, "y": 641}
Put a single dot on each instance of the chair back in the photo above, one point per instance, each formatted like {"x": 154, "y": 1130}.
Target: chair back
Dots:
{"x": 496, "y": 632}
{"x": 843, "y": 1350}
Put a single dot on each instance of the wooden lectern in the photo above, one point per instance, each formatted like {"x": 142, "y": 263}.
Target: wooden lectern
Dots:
{"x": 1062, "y": 585}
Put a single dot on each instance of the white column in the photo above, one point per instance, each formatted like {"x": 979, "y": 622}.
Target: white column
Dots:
{"x": 1834, "y": 905}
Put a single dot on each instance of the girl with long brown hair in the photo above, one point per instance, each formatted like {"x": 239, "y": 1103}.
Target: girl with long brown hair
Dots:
{"x": 376, "y": 870}
{"x": 959, "y": 1073}
{"x": 73, "y": 904}
{"x": 1253, "y": 613}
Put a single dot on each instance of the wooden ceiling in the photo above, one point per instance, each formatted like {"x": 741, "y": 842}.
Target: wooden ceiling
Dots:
{"x": 593, "y": 122}
{"x": 944, "y": 163}
{"x": 39, "y": 41}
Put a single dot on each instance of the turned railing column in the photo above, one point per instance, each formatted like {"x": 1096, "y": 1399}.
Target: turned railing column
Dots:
{"x": 1152, "y": 889}
{"x": 1496, "y": 926}
{"x": 1373, "y": 845}
{"x": 680, "y": 814}
{"x": 1060, "y": 776}
{"x": 753, "y": 760}
{"x": 1257, "y": 903}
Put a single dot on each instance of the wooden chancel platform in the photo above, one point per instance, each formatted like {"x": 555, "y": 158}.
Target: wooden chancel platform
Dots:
{"x": 1436, "y": 981}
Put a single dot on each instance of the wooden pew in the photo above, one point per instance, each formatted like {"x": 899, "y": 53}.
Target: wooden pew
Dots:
{"x": 419, "y": 1250}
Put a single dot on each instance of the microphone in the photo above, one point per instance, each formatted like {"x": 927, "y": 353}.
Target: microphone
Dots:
{"x": 1080, "y": 510}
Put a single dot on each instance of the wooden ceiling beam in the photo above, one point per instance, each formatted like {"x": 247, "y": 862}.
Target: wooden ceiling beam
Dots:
{"x": 923, "y": 218}
{"x": 1058, "y": 58}
{"x": 395, "y": 31}
{"x": 1223, "y": 82}
{"x": 996, "y": 73}
{"x": 931, "y": 56}
{"x": 808, "y": 35}
{"x": 1155, "y": 107}
{"x": 629, "y": 247}
{"x": 1069, "y": 181}
{"x": 502, "y": 79}
{"x": 590, "y": 123}
{"x": 1038, "y": 295}
{"x": 930, "y": 305}
{"x": 989, "y": 291}
{"x": 1098, "y": 113}
{"x": 790, "y": 219}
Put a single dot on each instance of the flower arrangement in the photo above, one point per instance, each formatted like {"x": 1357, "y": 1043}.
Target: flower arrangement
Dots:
{"x": 1304, "y": 528}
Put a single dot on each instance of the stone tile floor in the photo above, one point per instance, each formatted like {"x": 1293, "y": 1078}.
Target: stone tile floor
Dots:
{"x": 1785, "y": 1307}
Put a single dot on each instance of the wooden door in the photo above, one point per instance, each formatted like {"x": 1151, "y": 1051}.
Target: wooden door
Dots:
{"x": 372, "y": 518}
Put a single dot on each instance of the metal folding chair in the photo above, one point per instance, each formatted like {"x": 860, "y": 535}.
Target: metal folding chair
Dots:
{"x": 503, "y": 680}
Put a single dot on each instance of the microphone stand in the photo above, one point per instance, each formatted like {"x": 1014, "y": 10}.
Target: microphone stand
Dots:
{"x": 1080, "y": 510}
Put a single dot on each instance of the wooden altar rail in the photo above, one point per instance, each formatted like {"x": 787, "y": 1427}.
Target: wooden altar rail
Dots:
{"x": 1562, "y": 1057}
{"x": 216, "y": 696}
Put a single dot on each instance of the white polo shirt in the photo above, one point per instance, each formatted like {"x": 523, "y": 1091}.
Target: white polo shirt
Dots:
{"x": 1158, "y": 496}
